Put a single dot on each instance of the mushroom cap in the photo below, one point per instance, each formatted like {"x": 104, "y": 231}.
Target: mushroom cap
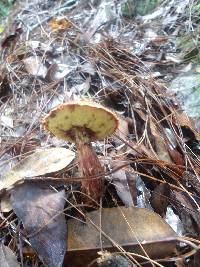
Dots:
{"x": 93, "y": 120}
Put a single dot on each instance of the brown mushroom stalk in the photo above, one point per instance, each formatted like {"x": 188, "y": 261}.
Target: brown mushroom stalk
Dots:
{"x": 83, "y": 122}
{"x": 90, "y": 166}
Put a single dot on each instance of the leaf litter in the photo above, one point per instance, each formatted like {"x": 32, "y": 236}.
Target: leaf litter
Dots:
{"x": 7, "y": 257}
{"x": 141, "y": 61}
{"x": 43, "y": 220}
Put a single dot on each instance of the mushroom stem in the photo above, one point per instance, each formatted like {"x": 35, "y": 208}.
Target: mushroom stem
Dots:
{"x": 89, "y": 167}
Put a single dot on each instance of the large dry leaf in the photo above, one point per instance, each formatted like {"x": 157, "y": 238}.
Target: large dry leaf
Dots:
{"x": 41, "y": 212}
{"x": 126, "y": 227}
{"x": 7, "y": 257}
{"x": 39, "y": 163}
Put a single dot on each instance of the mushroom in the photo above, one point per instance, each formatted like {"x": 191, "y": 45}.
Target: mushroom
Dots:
{"x": 83, "y": 122}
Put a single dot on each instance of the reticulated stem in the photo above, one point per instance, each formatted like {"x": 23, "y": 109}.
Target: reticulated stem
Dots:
{"x": 89, "y": 167}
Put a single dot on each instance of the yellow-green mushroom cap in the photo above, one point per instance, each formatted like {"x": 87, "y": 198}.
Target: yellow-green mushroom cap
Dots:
{"x": 92, "y": 120}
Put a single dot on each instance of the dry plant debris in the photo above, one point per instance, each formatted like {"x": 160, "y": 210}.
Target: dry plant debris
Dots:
{"x": 141, "y": 229}
{"x": 139, "y": 59}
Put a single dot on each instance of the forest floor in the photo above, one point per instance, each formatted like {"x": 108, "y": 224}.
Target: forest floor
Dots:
{"x": 141, "y": 60}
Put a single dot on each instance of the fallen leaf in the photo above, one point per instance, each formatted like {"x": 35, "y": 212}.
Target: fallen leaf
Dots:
{"x": 34, "y": 66}
{"x": 82, "y": 88}
{"x": 176, "y": 156}
{"x": 172, "y": 147}
{"x": 161, "y": 149}
{"x": 160, "y": 198}
{"x": 182, "y": 119}
{"x": 39, "y": 163}
{"x": 5, "y": 89}
{"x": 11, "y": 58}
{"x": 126, "y": 227}
{"x": 187, "y": 211}
{"x": 60, "y": 24}
{"x": 87, "y": 67}
{"x": 41, "y": 212}
{"x": 160, "y": 144}
{"x": 33, "y": 44}
{"x": 120, "y": 181}
{"x": 104, "y": 14}
{"x": 7, "y": 257}
{"x": 122, "y": 129}
{"x": 50, "y": 75}
{"x": 119, "y": 177}
{"x": 11, "y": 39}
{"x": 5, "y": 204}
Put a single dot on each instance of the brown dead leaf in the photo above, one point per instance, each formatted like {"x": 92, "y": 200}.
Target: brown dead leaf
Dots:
{"x": 7, "y": 257}
{"x": 166, "y": 146}
{"x": 41, "y": 212}
{"x": 175, "y": 155}
{"x": 188, "y": 213}
{"x": 160, "y": 144}
{"x": 160, "y": 198}
{"x": 184, "y": 120}
{"x": 11, "y": 58}
{"x": 60, "y": 24}
{"x": 122, "y": 226}
{"x": 50, "y": 76}
{"x": 10, "y": 40}
{"x": 161, "y": 150}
